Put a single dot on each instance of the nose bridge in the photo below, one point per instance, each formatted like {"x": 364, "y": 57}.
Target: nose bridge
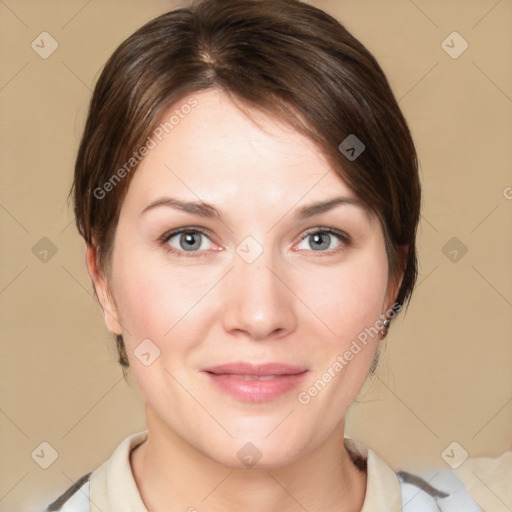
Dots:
{"x": 257, "y": 302}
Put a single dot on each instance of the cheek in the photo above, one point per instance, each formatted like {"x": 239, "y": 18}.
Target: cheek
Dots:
{"x": 161, "y": 302}
{"x": 150, "y": 301}
{"x": 350, "y": 304}
{"x": 349, "y": 298}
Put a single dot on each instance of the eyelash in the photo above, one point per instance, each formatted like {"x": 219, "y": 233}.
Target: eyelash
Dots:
{"x": 344, "y": 238}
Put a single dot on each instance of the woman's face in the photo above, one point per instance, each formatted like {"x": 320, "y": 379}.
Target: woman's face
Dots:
{"x": 260, "y": 281}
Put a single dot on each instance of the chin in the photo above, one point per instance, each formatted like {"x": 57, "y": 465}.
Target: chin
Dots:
{"x": 243, "y": 453}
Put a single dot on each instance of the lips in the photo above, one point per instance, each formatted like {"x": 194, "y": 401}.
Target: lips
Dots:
{"x": 255, "y": 370}
{"x": 256, "y": 383}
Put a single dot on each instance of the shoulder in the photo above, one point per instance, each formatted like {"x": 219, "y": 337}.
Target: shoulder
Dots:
{"x": 110, "y": 487}
{"x": 74, "y": 499}
{"x": 473, "y": 485}
{"x": 435, "y": 490}
{"x": 488, "y": 479}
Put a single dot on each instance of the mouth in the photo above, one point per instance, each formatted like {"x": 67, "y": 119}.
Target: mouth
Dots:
{"x": 250, "y": 377}
{"x": 256, "y": 383}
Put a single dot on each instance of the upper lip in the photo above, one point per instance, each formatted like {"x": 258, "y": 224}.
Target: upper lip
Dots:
{"x": 256, "y": 370}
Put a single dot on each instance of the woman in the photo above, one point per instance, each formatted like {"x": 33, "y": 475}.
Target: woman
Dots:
{"x": 248, "y": 191}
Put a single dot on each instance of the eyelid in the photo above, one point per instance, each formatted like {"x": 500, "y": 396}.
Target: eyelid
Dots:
{"x": 345, "y": 237}
{"x": 173, "y": 232}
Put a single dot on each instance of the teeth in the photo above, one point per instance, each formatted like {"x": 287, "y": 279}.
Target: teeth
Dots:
{"x": 253, "y": 377}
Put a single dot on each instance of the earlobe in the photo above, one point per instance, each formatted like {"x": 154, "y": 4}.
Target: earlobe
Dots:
{"x": 102, "y": 291}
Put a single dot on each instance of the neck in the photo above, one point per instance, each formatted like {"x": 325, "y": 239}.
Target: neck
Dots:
{"x": 173, "y": 476}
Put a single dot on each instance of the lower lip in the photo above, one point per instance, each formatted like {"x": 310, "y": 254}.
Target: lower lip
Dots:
{"x": 256, "y": 390}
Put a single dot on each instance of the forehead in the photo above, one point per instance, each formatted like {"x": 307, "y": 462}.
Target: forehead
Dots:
{"x": 215, "y": 153}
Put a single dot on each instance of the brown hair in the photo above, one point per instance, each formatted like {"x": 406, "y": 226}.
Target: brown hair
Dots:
{"x": 283, "y": 57}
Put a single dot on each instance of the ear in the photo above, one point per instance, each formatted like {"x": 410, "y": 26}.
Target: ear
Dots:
{"x": 394, "y": 287}
{"x": 102, "y": 291}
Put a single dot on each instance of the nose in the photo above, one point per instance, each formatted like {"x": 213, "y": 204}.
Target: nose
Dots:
{"x": 259, "y": 303}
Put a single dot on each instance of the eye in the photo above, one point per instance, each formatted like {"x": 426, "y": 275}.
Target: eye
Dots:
{"x": 190, "y": 242}
{"x": 325, "y": 240}
{"x": 186, "y": 240}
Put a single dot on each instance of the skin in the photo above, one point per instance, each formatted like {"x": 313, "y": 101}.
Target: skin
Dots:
{"x": 296, "y": 303}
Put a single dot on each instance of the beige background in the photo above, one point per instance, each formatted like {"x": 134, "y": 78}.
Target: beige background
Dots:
{"x": 446, "y": 375}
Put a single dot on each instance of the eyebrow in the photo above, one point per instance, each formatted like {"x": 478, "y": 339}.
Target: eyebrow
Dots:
{"x": 203, "y": 209}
